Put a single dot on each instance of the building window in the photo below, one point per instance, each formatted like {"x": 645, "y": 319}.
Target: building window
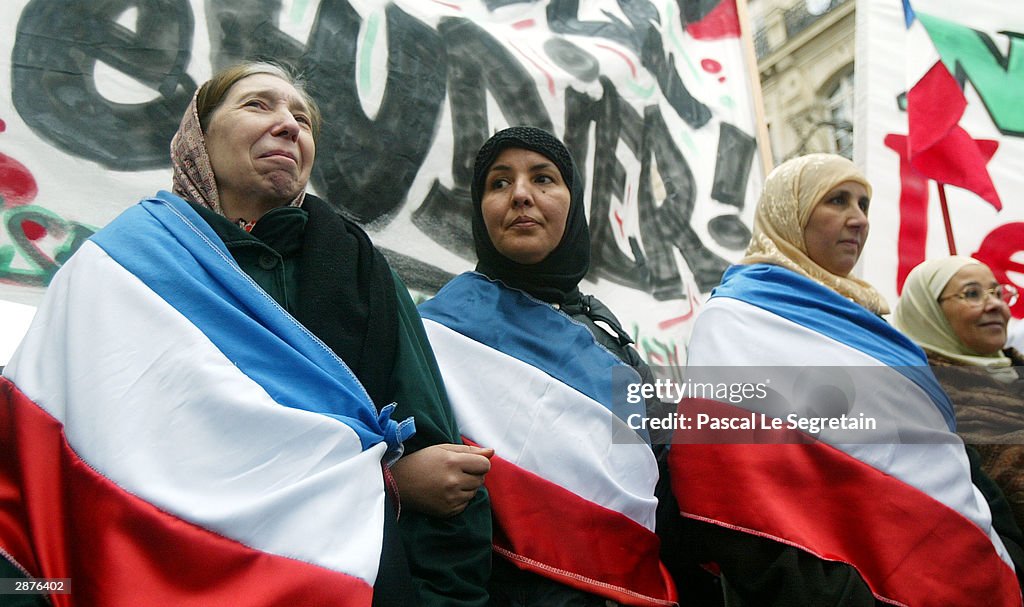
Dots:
{"x": 839, "y": 105}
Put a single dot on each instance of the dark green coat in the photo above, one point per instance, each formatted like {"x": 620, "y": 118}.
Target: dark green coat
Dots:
{"x": 449, "y": 558}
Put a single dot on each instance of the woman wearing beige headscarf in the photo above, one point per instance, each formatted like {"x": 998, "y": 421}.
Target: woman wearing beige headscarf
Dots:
{"x": 792, "y": 205}
{"x": 814, "y": 517}
{"x": 955, "y": 309}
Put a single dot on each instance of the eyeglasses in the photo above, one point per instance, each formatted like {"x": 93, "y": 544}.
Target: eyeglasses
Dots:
{"x": 976, "y": 296}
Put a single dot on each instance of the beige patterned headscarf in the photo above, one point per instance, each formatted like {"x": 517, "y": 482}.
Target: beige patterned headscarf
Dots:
{"x": 790, "y": 193}
{"x": 920, "y": 316}
{"x": 193, "y": 177}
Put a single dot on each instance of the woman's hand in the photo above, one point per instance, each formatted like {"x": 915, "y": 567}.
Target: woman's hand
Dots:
{"x": 440, "y": 480}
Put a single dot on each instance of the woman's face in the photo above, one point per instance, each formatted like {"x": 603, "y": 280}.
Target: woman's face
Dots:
{"x": 838, "y": 227}
{"x": 525, "y": 205}
{"x": 981, "y": 327}
{"x": 260, "y": 142}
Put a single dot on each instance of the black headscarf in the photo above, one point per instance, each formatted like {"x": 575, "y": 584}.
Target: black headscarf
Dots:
{"x": 555, "y": 278}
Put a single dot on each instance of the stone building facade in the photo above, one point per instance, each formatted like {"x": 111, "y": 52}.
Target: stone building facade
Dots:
{"x": 805, "y": 52}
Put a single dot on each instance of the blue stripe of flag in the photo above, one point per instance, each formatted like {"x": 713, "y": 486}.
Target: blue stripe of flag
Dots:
{"x": 171, "y": 249}
{"x": 531, "y": 331}
{"x": 809, "y": 304}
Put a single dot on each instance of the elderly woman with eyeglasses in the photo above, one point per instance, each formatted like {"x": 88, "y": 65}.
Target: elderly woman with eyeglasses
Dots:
{"x": 957, "y": 312}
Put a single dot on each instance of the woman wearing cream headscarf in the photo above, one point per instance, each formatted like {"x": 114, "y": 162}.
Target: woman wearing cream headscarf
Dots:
{"x": 790, "y": 197}
{"x": 949, "y": 308}
{"x": 820, "y": 518}
{"x": 954, "y": 309}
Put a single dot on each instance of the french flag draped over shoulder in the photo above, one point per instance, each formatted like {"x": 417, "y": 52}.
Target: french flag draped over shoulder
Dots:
{"x": 570, "y": 502}
{"x": 170, "y": 436}
{"x": 938, "y": 147}
{"x": 902, "y": 511}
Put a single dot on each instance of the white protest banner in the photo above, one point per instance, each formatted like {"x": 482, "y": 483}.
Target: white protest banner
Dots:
{"x": 654, "y": 99}
{"x": 940, "y": 87}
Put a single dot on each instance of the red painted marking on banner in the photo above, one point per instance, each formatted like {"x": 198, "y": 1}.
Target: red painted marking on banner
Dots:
{"x": 711, "y": 66}
{"x": 540, "y": 68}
{"x": 668, "y": 323}
{"x": 722, "y": 22}
{"x": 17, "y": 185}
{"x": 32, "y": 230}
{"x": 625, "y": 57}
{"x": 671, "y": 322}
{"x": 448, "y": 4}
{"x": 998, "y": 251}
{"x": 913, "y": 231}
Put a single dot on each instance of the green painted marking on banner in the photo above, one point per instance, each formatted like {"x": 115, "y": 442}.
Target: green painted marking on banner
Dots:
{"x": 676, "y": 42}
{"x": 366, "y": 61}
{"x": 687, "y": 140}
{"x": 640, "y": 91}
{"x": 670, "y": 19}
{"x": 24, "y": 226}
{"x": 298, "y": 10}
{"x": 971, "y": 54}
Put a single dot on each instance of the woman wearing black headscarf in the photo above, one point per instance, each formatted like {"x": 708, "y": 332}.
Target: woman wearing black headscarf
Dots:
{"x": 529, "y": 371}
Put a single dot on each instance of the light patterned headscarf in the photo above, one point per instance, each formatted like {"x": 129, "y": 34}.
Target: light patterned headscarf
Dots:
{"x": 193, "y": 177}
{"x": 790, "y": 193}
{"x": 920, "y": 316}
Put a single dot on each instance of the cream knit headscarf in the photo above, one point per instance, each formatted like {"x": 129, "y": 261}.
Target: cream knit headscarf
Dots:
{"x": 920, "y": 316}
{"x": 790, "y": 193}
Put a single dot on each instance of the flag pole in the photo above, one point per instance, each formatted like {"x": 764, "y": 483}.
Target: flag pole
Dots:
{"x": 945, "y": 218}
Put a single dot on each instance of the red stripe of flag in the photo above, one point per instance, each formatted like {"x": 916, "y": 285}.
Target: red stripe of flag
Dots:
{"x": 551, "y": 531}
{"x": 906, "y": 545}
{"x": 59, "y": 518}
